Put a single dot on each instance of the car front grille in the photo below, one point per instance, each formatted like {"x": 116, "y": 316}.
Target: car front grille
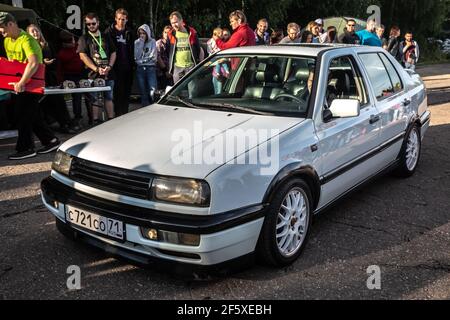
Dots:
{"x": 119, "y": 181}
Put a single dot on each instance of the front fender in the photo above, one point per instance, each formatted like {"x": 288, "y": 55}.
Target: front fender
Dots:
{"x": 292, "y": 171}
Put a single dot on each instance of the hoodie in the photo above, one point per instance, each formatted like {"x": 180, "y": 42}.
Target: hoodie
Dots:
{"x": 145, "y": 53}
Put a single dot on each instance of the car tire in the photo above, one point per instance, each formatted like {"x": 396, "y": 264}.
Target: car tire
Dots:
{"x": 275, "y": 248}
{"x": 410, "y": 153}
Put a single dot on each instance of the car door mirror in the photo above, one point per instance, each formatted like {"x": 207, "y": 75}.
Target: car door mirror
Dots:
{"x": 345, "y": 108}
{"x": 327, "y": 115}
{"x": 168, "y": 88}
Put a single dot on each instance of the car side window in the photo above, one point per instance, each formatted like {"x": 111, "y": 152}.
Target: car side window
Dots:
{"x": 344, "y": 82}
{"x": 393, "y": 74}
{"x": 378, "y": 75}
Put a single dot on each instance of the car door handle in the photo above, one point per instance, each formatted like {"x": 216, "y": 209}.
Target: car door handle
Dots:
{"x": 374, "y": 119}
{"x": 406, "y": 102}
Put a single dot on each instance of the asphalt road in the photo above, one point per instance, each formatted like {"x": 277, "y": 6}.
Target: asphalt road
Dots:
{"x": 402, "y": 226}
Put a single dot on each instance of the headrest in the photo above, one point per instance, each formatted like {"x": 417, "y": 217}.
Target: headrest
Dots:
{"x": 302, "y": 74}
{"x": 339, "y": 80}
{"x": 267, "y": 73}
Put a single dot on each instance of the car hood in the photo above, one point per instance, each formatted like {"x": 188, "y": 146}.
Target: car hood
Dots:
{"x": 145, "y": 140}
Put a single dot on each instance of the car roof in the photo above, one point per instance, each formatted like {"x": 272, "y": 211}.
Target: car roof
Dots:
{"x": 309, "y": 50}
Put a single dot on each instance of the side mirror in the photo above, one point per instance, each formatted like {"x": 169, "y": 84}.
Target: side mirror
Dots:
{"x": 345, "y": 108}
{"x": 168, "y": 88}
{"x": 327, "y": 115}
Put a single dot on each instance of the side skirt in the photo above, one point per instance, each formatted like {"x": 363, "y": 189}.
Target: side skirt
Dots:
{"x": 360, "y": 185}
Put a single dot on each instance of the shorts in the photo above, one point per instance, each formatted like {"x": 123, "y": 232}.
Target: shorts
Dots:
{"x": 108, "y": 95}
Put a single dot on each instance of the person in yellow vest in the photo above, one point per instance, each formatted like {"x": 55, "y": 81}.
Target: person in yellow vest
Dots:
{"x": 22, "y": 47}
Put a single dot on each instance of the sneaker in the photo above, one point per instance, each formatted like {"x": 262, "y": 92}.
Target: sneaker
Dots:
{"x": 23, "y": 155}
{"x": 50, "y": 147}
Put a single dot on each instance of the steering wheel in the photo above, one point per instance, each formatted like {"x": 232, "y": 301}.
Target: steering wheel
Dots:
{"x": 289, "y": 96}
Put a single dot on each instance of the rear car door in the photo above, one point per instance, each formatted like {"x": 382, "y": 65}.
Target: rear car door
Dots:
{"x": 392, "y": 100}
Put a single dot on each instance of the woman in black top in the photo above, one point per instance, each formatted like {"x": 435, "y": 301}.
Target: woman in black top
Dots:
{"x": 394, "y": 43}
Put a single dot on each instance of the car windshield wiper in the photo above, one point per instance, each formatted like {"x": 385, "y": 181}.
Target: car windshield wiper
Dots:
{"x": 181, "y": 100}
{"x": 235, "y": 107}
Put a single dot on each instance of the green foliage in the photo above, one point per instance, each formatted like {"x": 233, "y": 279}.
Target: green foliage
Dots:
{"x": 432, "y": 53}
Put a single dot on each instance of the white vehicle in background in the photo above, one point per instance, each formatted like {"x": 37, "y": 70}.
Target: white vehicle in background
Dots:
{"x": 339, "y": 115}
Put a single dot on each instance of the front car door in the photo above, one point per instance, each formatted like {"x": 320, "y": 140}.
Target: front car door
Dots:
{"x": 345, "y": 144}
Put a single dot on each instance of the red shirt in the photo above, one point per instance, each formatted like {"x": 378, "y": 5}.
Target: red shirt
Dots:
{"x": 243, "y": 36}
{"x": 69, "y": 62}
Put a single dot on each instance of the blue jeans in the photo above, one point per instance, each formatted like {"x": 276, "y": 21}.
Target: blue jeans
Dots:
{"x": 148, "y": 83}
{"x": 219, "y": 71}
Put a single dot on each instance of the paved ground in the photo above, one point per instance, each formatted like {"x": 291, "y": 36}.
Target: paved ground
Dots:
{"x": 403, "y": 226}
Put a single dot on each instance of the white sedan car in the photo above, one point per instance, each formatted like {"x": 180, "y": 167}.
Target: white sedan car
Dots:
{"x": 237, "y": 158}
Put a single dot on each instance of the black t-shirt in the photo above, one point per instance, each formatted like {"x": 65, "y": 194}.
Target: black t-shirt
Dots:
{"x": 87, "y": 45}
{"x": 50, "y": 70}
{"x": 122, "y": 50}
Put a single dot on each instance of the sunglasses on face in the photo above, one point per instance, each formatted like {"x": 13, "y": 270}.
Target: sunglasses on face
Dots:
{"x": 91, "y": 24}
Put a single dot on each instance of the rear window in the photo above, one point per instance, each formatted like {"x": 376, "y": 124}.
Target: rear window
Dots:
{"x": 393, "y": 75}
{"x": 379, "y": 76}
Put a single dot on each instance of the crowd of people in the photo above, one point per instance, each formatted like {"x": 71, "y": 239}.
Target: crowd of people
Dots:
{"x": 120, "y": 54}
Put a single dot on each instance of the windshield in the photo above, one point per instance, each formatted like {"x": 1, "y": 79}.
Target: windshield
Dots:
{"x": 265, "y": 85}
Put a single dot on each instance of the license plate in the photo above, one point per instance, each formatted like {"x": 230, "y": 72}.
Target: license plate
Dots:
{"x": 94, "y": 222}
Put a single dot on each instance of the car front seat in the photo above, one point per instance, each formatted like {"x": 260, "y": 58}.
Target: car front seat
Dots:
{"x": 268, "y": 83}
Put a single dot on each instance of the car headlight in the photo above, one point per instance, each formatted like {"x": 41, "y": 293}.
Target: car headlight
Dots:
{"x": 183, "y": 191}
{"x": 62, "y": 163}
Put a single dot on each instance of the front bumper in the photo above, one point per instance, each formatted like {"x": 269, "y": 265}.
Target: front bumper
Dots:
{"x": 223, "y": 237}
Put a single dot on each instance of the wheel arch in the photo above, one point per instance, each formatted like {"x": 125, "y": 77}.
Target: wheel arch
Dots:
{"x": 292, "y": 171}
{"x": 415, "y": 119}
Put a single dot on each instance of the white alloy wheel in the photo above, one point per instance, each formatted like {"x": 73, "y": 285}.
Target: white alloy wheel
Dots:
{"x": 412, "y": 150}
{"x": 292, "y": 222}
